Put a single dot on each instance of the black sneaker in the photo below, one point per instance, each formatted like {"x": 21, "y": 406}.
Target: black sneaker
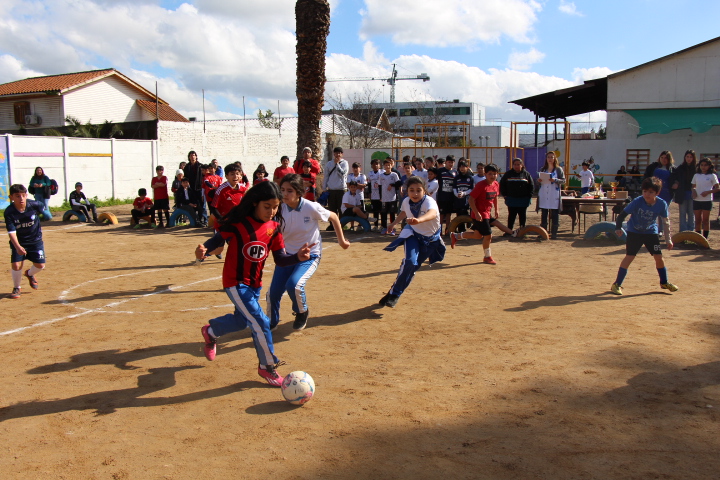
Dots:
{"x": 384, "y": 299}
{"x": 219, "y": 257}
{"x": 392, "y": 300}
{"x": 300, "y": 320}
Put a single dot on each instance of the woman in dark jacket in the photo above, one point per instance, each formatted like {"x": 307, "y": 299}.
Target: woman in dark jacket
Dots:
{"x": 517, "y": 187}
{"x": 39, "y": 187}
{"x": 681, "y": 185}
{"x": 662, "y": 169}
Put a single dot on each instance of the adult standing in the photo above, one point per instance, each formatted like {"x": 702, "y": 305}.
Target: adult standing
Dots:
{"x": 681, "y": 185}
{"x": 335, "y": 180}
{"x": 40, "y": 188}
{"x": 217, "y": 169}
{"x": 193, "y": 173}
{"x": 662, "y": 169}
{"x": 307, "y": 157}
{"x": 517, "y": 187}
{"x": 551, "y": 180}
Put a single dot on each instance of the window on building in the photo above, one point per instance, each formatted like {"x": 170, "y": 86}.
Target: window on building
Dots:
{"x": 453, "y": 110}
{"x": 21, "y": 109}
{"x": 639, "y": 157}
{"x": 391, "y": 112}
{"x": 408, "y": 112}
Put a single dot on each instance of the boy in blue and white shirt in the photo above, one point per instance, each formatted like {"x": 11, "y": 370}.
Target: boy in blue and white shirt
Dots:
{"x": 22, "y": 221}
{"x": 642, "y": 229}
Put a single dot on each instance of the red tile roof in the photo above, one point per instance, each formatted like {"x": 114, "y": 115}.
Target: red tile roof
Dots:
{"x": 167, "y": 113}
{"x": 53, "y": 83}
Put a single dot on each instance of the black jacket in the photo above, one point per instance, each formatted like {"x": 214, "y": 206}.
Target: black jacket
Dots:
{"x": 683, "y": 175}
{"x": 517, "y": 184}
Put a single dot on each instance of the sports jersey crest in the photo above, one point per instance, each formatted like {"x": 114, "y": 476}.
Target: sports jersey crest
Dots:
{"x": 255, "y": 251}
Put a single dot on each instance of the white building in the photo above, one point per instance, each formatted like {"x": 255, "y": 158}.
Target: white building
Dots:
{"x": 407, "y": 114}
{"x": 671, "y": 103}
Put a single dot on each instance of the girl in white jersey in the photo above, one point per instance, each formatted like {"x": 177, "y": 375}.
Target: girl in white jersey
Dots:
{"x": 300, "y": 226}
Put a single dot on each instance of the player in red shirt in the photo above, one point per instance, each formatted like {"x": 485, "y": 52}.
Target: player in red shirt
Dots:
{"x": 143, "y": 207}
{"x": 283, "y": 170}
{"x": 159, "y": 185}
{"x": 308, "y": 182}
{"x": 252, "y": 230}
{"x": 484, "y": 198}
{"x": 229, "y": 193}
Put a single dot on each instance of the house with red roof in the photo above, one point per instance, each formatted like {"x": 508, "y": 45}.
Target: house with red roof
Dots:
{"x": 39, "y": 103}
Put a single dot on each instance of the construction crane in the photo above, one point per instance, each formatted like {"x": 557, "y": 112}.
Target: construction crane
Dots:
{"x": 390, "y": 81}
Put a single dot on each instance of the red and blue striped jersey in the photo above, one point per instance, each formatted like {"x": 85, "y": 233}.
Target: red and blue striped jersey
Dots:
{"x": 250, "y": 243}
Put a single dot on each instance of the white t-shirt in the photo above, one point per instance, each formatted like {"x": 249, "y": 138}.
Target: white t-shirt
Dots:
{"x": 361, "y": 179}
{"x": 354, "y": 200}
{"x": 477, "y": 179}
{"x": 300, "y": 226}
{"x": 373, "y": 178}
{"x": 586, "y": 178}
{"x": 432, "y": 188}
{"x": 420, "y": 173}
{"x": 385, "y": 180}
{"x": 425, "y": 228}
{"x": 704, "y": 182}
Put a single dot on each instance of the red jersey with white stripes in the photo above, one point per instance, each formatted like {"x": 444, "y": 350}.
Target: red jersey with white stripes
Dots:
{"x": 250, "y": 243}
{"x": 226, "y": 197}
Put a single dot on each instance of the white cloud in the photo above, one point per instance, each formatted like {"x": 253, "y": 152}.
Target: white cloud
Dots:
{"x": 12, "y": 69}
{"x": 524, "y": 60}
{"x": 453, "y": 22}
{"x": 569, "y": 8}
{"x": 579, "y": 75}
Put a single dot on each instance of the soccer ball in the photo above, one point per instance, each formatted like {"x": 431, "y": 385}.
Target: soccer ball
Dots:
{"x": 298, "y": 387}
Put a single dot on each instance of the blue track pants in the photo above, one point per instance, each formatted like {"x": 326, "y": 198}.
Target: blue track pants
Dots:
{"x": 292, "y": 280}
{"x": 415, "y": 254}
{"x": 248, "y": 313}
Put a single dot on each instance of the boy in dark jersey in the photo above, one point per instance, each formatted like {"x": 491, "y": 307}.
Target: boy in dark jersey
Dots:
{"x": 22, "y": 221}
{"x": 445, "y": 195}
{"x": 483, "y": 199}
{"x": 462, "y": 186}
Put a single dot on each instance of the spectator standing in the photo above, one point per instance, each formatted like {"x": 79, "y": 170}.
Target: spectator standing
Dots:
{"x": 39, "y": 186}
{"x": 283, "y": 169}
{"x": 193, "y": 174}
{"x": 335, "y": 180}
{"x": 307, "y": 157}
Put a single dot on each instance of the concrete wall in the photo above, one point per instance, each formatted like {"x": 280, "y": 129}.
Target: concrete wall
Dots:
{"x": 106, "y": 167}
{"x": 226, "y": 142}
{"x": 686, "y": 80}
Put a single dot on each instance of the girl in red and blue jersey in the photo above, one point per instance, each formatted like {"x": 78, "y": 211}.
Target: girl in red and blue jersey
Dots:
{"x": 252, "y": 230}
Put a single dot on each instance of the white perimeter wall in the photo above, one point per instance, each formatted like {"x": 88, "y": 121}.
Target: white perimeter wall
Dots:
{"x": 227, "y": 143}
{"x": 123, "y": 167}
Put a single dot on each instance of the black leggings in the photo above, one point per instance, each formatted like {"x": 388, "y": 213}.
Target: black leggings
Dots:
{"x": 520, "y": 212}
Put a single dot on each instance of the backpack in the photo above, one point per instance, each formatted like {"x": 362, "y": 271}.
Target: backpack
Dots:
{"x": 52, "y": 189}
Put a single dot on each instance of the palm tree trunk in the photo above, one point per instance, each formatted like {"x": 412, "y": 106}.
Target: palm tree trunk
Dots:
{"x": 312, "y": 19}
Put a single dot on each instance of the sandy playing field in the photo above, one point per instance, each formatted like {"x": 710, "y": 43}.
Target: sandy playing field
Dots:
{"x": 526, "y": 369}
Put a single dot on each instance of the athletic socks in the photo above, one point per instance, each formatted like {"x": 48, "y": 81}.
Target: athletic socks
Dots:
{"x": 487, "y": 252}
{"x": 210, "y": 332}
{"x": 621, "y": 275}
{"x": 16, "y": 277}
{"x": 34, "y": 271}
{"x": 663, "y": 275}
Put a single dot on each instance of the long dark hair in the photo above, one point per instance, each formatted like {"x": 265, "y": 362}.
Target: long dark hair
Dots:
{"x": 35, "y": 175}
{"x": 261, "y": 192}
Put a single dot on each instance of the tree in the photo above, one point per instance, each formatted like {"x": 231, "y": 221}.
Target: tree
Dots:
{"x": 107, "y": 129}
{"x": 267, "y": 121}
{"x": 312, "y": 25}
{"x": 357, "y": 118}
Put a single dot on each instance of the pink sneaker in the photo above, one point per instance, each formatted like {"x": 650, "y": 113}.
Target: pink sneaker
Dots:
{"x": 270, "y": 374}
{"x": 453, "y": 240}
{"x": 489, "y": 261}
{"x": 210, "y": 347}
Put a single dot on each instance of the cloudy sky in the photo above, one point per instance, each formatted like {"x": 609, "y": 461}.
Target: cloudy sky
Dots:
{"x": 485, "y": 51}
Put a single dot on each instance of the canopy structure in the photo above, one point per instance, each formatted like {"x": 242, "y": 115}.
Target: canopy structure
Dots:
{"x": 588, "y": 97}
{"x": 665, "y": 120}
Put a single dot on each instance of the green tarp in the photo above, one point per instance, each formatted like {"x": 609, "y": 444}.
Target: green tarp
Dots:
{"x": 665, "y": 120}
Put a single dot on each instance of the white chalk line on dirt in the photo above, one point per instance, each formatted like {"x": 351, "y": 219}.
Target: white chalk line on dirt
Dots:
{"x": 63, "y": 295}
{"x": 101, "y": 309}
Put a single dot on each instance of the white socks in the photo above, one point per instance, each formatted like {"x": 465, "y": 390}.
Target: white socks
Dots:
{"x": 210, "y": 332}
{"x": 17, "y": 278}
{"x": 34, "y": 271}
{"x": 487, "y": 252}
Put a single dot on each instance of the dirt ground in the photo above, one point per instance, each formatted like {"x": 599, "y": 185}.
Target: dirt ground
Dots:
{"x": 526, "y": 369}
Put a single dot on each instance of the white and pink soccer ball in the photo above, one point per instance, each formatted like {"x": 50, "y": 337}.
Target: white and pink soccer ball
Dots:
{"x": 298, "y": 387}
